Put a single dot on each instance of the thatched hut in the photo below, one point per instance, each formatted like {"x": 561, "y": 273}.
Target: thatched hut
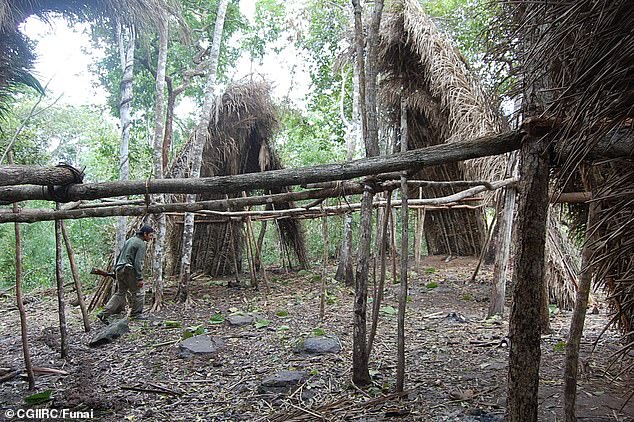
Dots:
{"x": 447, "y": 102}
{"x": 584, "y": 88}
{"x": 239, "y": 141}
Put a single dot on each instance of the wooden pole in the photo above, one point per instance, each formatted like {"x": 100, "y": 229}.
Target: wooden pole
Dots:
{"x": 60, "y": 290}
{"x": 413, "y": 159}
{"x": 578, "y": 317}
{"x": 378, "y": 297}
{"x": 324, "y": 270}
{"x": 213, "y": 206}
{"x": 18, "y": 297}
{"x": 402, "y": 300}
{"x": 76, "y": 278}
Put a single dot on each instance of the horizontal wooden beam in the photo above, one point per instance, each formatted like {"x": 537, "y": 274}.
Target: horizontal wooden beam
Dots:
{"x": 16, "y": 174}
{"x": 414, "y": 159}
{"x": 29, "y": 215}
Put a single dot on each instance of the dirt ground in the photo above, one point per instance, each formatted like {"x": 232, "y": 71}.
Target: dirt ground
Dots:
{"x": 456, "y": 362}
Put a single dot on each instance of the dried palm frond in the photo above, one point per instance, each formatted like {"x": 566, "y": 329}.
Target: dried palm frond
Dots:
{"x": 584, "y": 51}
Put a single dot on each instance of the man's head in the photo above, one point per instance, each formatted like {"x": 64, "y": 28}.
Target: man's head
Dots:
{"x": 145, "y": 232}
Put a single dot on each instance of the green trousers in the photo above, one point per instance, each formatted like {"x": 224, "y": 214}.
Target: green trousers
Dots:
{"x": 126, "y": 288}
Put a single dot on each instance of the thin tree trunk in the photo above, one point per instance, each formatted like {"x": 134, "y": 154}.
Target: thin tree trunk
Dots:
{"x": 159, "y": 164}
{"x": 503, "y": 250}
{"x": 524, "y": 325}
{"x": 378, "y": 297}
{"x": 76, "y": 278}
{"x": 402, "y": 300}
{"x": 260, "y": 244}
{"x": 360, "y": 370}
{"x": 126, "y": 39}
{"x": 18, "y": 296}
{"x": 324, "y": 270}
{"x": 59, "y": 276}
{"x": 579, "y": 316}
{"x": 345, "y": 269}
{"x": 200, "y": 136}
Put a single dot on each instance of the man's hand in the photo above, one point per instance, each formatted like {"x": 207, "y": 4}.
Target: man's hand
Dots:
{"x": 139, "y": 283}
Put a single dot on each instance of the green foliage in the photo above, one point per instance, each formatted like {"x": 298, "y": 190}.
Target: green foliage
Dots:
{"x": 318, "y": 332}
{"x": 194, "y": 330}
{"x": 282, "y": 313}
{"x": 388, "y": 310}
{"x": 431, "y": 285}
{"x": 217, "y": 318}
{"x": 270, "y": 23}
{"x": 467, "y": 297}
{"x": 39, "y": 398}
{"x": 560, "y": 347}
{"x": 262, "y": 323}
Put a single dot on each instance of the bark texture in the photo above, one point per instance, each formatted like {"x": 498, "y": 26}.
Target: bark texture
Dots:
{"x": 524, "y": 326}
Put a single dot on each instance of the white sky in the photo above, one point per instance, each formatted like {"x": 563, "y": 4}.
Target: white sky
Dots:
{"x": 64, "y": 54}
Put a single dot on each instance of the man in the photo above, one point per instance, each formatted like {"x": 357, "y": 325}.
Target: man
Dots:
{"x": 129, "y": 271}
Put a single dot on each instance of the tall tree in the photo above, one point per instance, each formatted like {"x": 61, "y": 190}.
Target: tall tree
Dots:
{"x": 200, "y": 136}
{"x": 159, "y": 164}
{"x": 367, "y": 85}
{"x": 126, "y": 38}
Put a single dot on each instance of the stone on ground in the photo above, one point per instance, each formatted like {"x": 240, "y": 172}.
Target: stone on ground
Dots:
{"x": 320, "y": 345}
{"x": 113, "y": 331}
{"x": 239, "y": 320}
{"x": 282, "y": 382}
{"x": 201, "y": 345}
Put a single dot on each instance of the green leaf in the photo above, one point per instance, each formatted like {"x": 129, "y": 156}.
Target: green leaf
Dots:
{"x": 283, "y": 328}
{"x": 430, "y": 270}
{"x": 217, "y": 318}
{"x": 171, "y": 324}
{"x": 560, "y": 347}
{"x": 282, "y": 313}
{"x": 39, "y": 398}
{"x": 317, "y": 332}
{"x": 389, "y": 310}
{"x": 262, "y": 323}
{"x": 194, "y": 330}
{"x": 431, "y": 285}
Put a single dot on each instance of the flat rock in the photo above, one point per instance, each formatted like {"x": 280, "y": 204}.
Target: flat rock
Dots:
{"x": 201, "y": 345}
{"x": 320, "y": 345}
{"x": 239, "y": 320}
{"x": 113, "y": 331}
{"x": 282, "y": 382}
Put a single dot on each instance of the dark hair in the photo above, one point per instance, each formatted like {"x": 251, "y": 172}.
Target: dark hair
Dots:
{"x": 145, "y": 229}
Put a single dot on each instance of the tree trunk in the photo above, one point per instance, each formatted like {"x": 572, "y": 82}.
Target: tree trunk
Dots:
{"x": 360, "y": 370}
{"x": 524, "y": 325}
{"x": 18, "y": 296}
{"x": 76, "y": 278}
{"x": 502, "y": 251}
{"x": 413, "y": 159}
{"x": 36, "y": 175}
{"x": 367, "y": 72}
{"x": 402, "y": 300}
{"x": 159, "y": 164}
{"x": 126, "y": 38}
{"x": 578, "y": 317}
{"x": 345, "y": 269}
{"x": 200, "y": 136}
{"x": 60, "y": 290}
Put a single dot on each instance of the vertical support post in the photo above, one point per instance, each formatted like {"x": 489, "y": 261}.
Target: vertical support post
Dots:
{"x": 524, "y": 326}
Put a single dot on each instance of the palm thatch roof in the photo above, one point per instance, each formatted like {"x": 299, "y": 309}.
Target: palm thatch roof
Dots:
{"x": 447, "y": 102}
{"x": 586, "y": 52}
{"x": 244, "y": 122}
{"x": 16, "y": 51}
